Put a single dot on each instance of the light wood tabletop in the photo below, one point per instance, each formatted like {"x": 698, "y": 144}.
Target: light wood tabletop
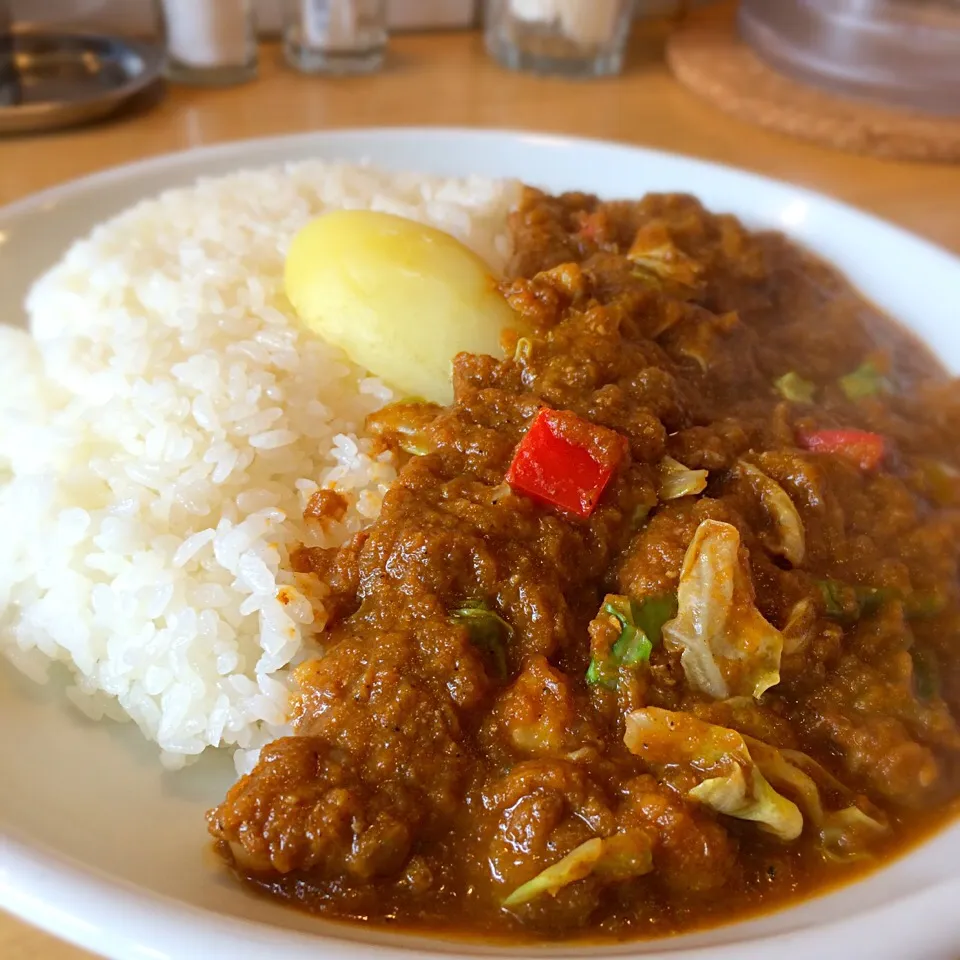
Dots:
{"x": 446, "y": 79}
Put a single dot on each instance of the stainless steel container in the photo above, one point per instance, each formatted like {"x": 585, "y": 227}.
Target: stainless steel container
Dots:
{"x": 899, "y": 52}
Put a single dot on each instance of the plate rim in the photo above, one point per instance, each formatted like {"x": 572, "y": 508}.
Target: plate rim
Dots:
{"x": 86, "y": 895}
{"x": 178, "y": 158}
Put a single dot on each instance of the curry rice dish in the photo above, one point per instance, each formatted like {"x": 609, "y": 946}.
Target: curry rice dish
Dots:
{"x": 657, "y": 626}
{"x": 649, "y": 626}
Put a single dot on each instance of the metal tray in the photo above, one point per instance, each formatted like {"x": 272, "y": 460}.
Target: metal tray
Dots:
{"x": 57, "y": 79}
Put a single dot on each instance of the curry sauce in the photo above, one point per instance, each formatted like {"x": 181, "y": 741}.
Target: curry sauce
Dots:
{"x": 723, "y": 678}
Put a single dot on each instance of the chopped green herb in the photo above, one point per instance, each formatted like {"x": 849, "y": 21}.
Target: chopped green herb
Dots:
{"x": 640, "y": 514}
{"x": 848, "y": 603}
{"x": 602, "y": 673}
{"x": 652, "y": 613}
{"x": 926, "y": 674}
{"x": 677, "y": 480}
{"x": 940, "y": 481}
{"x": 865, "y": 381}
{"x": 871, "y": 599}
{"x": 923, "y": 606}
{"x": 641, "y": 623}
{"x": 839, "y": 601}
{"x": 488, "y": 631}
{"x": 791, "y": 386}
{"x": 633, "y": 646}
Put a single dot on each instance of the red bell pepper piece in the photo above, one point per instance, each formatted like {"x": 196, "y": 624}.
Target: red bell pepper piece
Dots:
{"x": 867, "y": 449}
{"x": 565, "y": 461}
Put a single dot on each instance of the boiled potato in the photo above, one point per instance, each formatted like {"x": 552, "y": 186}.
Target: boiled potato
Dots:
{"x": 399, "y": 297}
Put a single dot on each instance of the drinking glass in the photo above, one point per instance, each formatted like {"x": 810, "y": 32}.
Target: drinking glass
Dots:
{"x": 335, "y": 36}
{"x": 576, "y": 38}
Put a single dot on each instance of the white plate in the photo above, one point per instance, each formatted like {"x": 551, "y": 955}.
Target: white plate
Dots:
{"x": 101, "y": 847}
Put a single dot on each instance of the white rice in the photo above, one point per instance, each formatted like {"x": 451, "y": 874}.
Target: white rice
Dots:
{"x": 160, "y": 435}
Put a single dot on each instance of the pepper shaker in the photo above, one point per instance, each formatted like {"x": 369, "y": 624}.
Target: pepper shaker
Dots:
{"x": 210, "y": 42}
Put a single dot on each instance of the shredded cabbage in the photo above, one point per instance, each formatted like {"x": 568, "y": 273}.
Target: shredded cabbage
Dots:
{"x": 728, "y": 649}
{"x": 745, "y": 778}
{"x": 788, "y": 539}
{"x": 730, "y": 781}
{"x": 866, "y": 381}
{"x": 844, "y": 833}
{"x": 799, "y": 628}
{"x": 676, "y": 480}
{"x": 522, "y": 350}
{"x": 406, "y": 424}
{"x": 619, "y": 857}
{"x": 576, "y": 865}
{"x": 654, "y": 251}
{"x": 754, "y": 800}
{"x": 791, "y": 386}
{"x": 940, "y": 480}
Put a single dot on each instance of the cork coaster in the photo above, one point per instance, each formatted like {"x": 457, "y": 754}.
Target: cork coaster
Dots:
{"x": 708, "y": 57}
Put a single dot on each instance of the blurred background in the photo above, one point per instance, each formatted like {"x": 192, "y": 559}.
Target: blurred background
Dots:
{"x": 878, "y": 78}
{"x": 897, "y": 52}
{"x": 756, "y": 83}
{"x": 138, "y": 16}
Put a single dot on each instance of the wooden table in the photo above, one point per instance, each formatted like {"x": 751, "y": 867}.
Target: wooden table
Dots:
{"x": 447, "y": 79}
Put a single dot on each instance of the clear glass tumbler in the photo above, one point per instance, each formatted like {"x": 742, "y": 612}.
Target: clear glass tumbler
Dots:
{"x": 575, "y": 38}
{"x": 335, "y": 36}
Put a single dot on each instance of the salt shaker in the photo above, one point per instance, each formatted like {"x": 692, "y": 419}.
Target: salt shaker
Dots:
{"x": 335, "y": 36}
{"x": 210, "y": 41}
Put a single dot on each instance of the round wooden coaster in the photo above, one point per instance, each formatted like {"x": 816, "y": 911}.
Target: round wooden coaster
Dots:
{"x": 708, "y": 57}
